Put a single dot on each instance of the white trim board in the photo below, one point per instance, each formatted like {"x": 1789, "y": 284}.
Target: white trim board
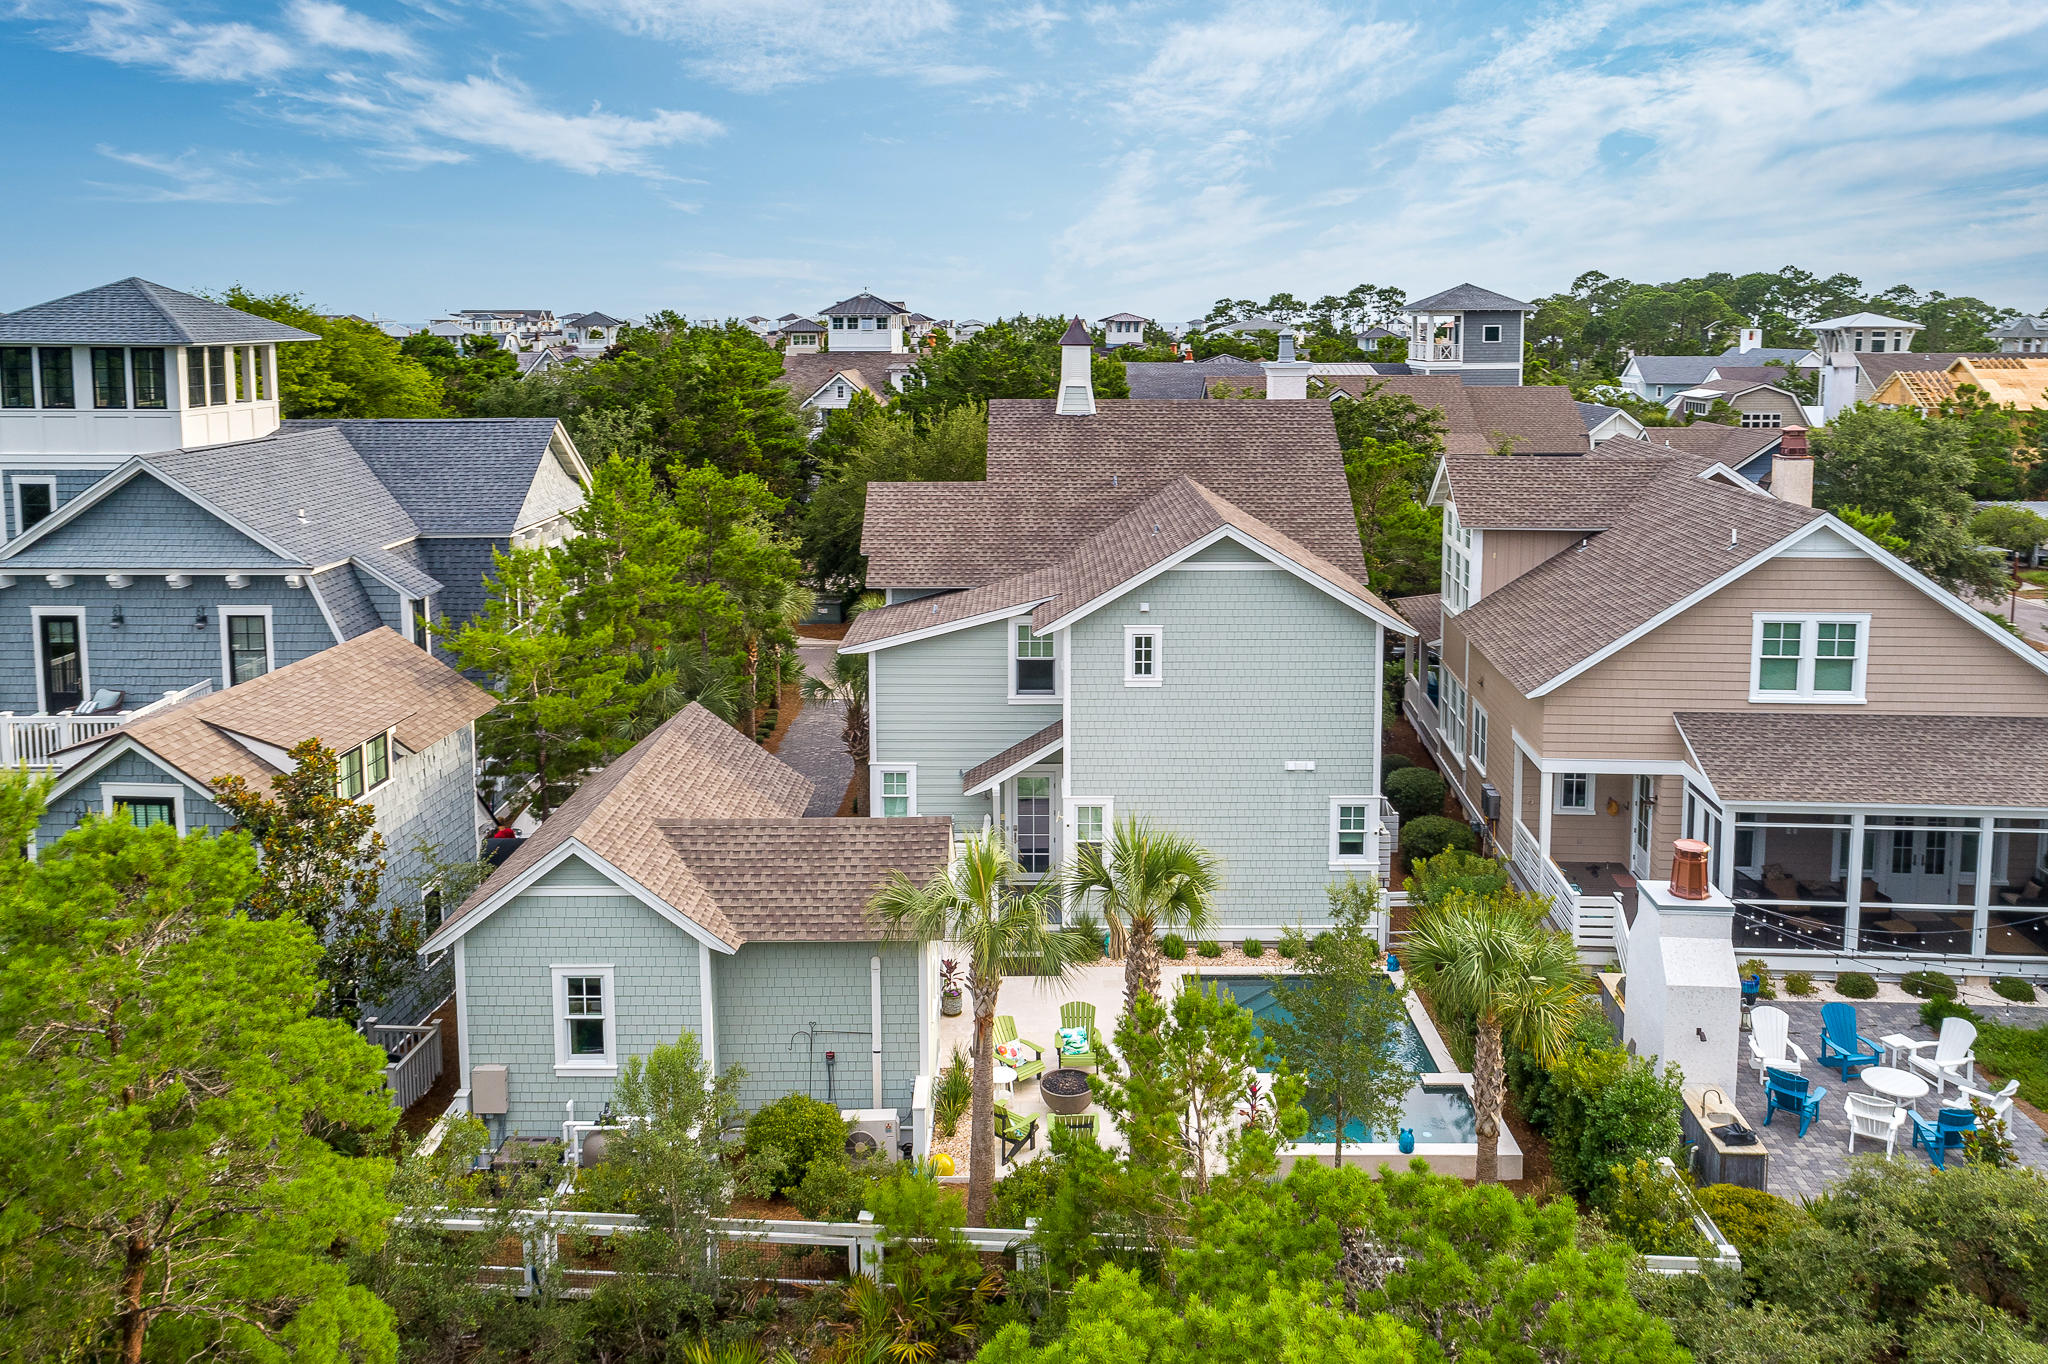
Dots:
{"x": 120, "y": 744}
{"x": 942, "y": 628}
{"x": 113, "y": 793}
{"x": 1035, "y": 758}
{"x": 455, "y": 929}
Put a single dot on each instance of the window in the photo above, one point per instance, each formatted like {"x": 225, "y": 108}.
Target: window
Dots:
{"x": 348, "y": 781}
{"x": 17, "y": 377}
{"x": 144, "y": 805}
{"x": 585, "y": 1020}
{"x": 109, "y": 376}
{"x": 377, "y": 760}
{"x": 1809, "y": 658}
{"x": 60, "y": 640}
{"x": 240, "y": 356}
{"x": 1034, "y": 824}
{"x": 34, "y": 499}
{"x": 1478, "y": 736}
{"x": 1490, "y": 332}
{"x": 1351, "y": 829}
{"x": 258, "y": 367}
{"x": 1574, "y": 793}
{"x": 1088, "y": 825}
{"x": 217, "y": 375}
{"x": 151, "y": 387}
{"x": 195, "y": 376}
{"x": 1457, "y": 574}
{"x": 144, "y": 811}
{"x": 1141, "y": 656}
{"x": 896, "y": 791}
{"x": 1763, "y": 419}
{"x": 246, "y": 640}
{"x": 55, "y": 363}
{"x": 1876, "y": 344}
{"x": 1034, "y": 662}
{"x": 1451, "y": 716}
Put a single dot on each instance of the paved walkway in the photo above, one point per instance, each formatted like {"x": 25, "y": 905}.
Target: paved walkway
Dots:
{"x": 1803, "y": 1167}
{"x": 813, "y": 745}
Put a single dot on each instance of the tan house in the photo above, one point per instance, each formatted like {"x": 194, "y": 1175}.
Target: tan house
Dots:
{"x": 1758, "y": 402}
{"x": 1641, "y": 645}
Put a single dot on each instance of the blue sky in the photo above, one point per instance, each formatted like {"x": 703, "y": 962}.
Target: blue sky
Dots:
{"x": 740, "y": 156}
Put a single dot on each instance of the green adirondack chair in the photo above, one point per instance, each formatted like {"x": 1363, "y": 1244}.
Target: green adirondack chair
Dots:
{"x": 1077, "y": 1014}
{"x": 1082, "y": 1124}
{"x": 1015, "y": 1132}
{"x": 1026, "y": 1067}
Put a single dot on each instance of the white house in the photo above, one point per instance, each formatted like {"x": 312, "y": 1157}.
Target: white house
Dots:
{"x": 867, "y": 323}
{"x": 1843, "y": 340}
{"x": 1122, "y": 329}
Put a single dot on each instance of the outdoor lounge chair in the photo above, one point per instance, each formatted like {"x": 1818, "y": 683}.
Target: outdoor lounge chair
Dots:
{"x": 1015, "y": 1132}
{"x": 2000, "y": 1103}
{"x": 1081, "y": 1124}
{"x": 1076, "y": 1014}
{"x": 1782, "y": 1089}
{"x": 1026, "y": 1067}
{"x": 1841, "y": 1045}
{"x": 1944, "y": 1134}
{"x": 1770, "y": 1040}
{"x": 1953, "y": 1057}
{"x": 1874, "y": 1118}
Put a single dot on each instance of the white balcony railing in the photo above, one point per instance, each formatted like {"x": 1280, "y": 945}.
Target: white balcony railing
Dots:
{"x": 34, "y": 740}
{"x": 1428, "y": 352}
{"x": 1590, "y": 919}
{"x": 414, "y": 1063}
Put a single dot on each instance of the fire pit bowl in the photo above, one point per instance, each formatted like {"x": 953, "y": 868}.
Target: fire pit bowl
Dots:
{"x": 1066, "y": 1090}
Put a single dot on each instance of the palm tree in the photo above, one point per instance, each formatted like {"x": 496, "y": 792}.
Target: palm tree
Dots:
{"x": 1146, "y": 879}
{"x": 1495, "y": 962}
{"x": 979, "y": 905}
{"x": 846, "y": 683}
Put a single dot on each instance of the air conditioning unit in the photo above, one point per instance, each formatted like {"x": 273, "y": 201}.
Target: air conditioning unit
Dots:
{"x": 1489, "y": 800}
{"x": 875, "y": 1132}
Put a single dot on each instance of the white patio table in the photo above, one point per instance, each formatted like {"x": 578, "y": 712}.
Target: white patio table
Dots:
{"x": 1902, "y": 1087}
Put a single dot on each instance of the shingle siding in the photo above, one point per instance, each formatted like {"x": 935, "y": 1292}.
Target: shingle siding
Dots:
{"x": 70, "y": 483}
{"x": 942, "y": 703}
{"x": 431, "y": 801}
{"x": 769, "y": 994}
{"x": 462, "y": 565}
{"x": 66, "y": 812}
{"x": 146, "y": 526}
{"x": 1506, "y": 351}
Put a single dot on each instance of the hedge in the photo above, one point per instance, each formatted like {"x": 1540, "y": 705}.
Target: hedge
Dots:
{"x": 1415, "y": 792}
{"x": 1433, "y": 834}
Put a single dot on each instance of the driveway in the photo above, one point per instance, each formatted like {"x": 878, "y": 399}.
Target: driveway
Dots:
{"x": 813, "y": 745}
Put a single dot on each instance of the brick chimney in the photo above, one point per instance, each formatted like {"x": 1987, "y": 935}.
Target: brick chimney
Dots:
{"x": 1792, "y": 468}
{"x": 1077, "y": 372}
{"x": 1287, "y": 377}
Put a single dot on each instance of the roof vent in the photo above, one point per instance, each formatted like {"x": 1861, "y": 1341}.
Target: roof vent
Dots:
{"x": 1731, "y": 539}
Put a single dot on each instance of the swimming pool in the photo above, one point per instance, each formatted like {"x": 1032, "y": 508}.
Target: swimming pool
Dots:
{"x": 1438, "y": 1115}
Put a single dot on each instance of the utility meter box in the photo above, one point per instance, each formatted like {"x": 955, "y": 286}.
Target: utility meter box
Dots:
{"x": 487, "y": 1091}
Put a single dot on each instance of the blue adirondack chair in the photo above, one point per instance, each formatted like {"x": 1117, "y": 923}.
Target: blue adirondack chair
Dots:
{"x": 1841, "y": 1045}
{"x": 1784, "y": 1090}
{"x": 1944, "y": 1134}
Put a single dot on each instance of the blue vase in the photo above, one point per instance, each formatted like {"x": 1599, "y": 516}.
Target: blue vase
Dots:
{"x": 1407, "y": 1141}
{"x": 1393, "y": 963}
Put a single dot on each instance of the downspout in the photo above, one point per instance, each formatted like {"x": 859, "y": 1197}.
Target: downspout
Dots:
{"x": 875, "y": 1024}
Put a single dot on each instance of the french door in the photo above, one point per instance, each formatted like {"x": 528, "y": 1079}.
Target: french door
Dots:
{"x": 60, "y": 655}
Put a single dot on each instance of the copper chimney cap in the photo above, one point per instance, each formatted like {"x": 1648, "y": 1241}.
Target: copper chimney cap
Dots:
{"x": 1689, "y": 869}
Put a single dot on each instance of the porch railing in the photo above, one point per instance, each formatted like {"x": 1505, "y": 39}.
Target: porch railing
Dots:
{"x": 1435, "y": 350}
{"x": 415, "y": 1058}
{"x": 1390, "y": 838}
{"x": 1590, "y": 919}
{"x": 34, "y": 740}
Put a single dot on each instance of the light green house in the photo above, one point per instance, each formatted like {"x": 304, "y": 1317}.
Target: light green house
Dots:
{"x": 1103, "y": 629}
{"x": 682, "y": 890}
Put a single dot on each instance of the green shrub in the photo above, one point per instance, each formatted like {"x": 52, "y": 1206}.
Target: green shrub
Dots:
{"x": 1755, "y": 967}
{"x": 1027, "y": 1191}
{"x": 953, "y": 1094}
{"x": 2014, "y": 989}
{"x": 1938, "y": 1008}
{"x": 1928, "y": 985}
{"x": 1434, "y": 834}
{"x": 1432, "y": 880}
{"x": 1750, "y": 1218}
{"x": 1415, "y": 792}
{"x": 1254, "y": 948}
{"x": 1173, "y": 947}
{"x": 1293, "y": 942}
{"x": 1088, "y": 928}
{"x": 1647, "y": 1206}
{"x": 1856, "y": 985}
{"x": 2017, "y": 1054}
{"x": 1798, "y": 983}
{"x": 801, "y": 1129}
{"x": 1208, "y": 947}
{"x": 1598, "y": 1106}
{"x": 1392, "y": 763}
{"x": 835, "y": 1189}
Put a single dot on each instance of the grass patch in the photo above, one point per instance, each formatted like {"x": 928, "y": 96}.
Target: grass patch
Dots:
{"x": 2017, "y": 1054}
{"x": 2036, "y": 576}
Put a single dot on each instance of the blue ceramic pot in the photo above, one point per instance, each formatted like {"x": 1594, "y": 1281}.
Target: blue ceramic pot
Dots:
{"x": 1407, "y": 1141}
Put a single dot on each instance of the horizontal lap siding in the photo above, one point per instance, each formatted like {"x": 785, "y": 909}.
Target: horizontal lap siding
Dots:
{"x": 941, "y": 703}
{"x": 510, "y": 1004}
{"x": 1257, "y": 668}
{"x": 768, "y": 995}
{"x": 1507, "y": 554}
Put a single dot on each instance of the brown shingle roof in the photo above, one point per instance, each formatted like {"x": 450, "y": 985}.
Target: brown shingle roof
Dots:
{"x": 1542, "y": 418}
{"x": 1733, "y": 446}
{"x": 1014, "y": 754}
{"x": 1871, "y": 759}
{"x": 1879, "y": 368}
{"x": 695, "y": 766}
{"x": 1054, "y": 481}
{"x": 341, "y": 696}
{"x": 1667, "y": 541}
{"x": 805, "y": 880}
{"x": 1425, "y": 613}
{"x": 1552, "y": 494}
{"x": 806, "y": 373}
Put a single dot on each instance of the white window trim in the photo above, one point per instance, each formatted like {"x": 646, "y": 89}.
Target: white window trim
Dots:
{"x": 1450, "y": 720}
{"x": 35, "y": 651}
{"x": 1493, "y": 327}
{"x": 222, "y": 612}
{"x": 1057, "y": 696}
{"x": 875, "y": 788}
{"x": 1478, "y": 734}
{"x": 19, "y": 480}
{"x": 1809, "y": 638}
{"x": 1460, "y": 549}
{"x": 1131, "y": 679}
{"x": 1557, "y": 805}
{"x": 558, "y": 997}
{"x": 118, "y": 792}
{"x": 1374, "y": 829}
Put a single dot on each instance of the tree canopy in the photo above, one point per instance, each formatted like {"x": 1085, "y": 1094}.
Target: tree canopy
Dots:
{"x": 1917, "y": 470}
{"x": 353, "y": 370}
{"x": 1016, "y": 357}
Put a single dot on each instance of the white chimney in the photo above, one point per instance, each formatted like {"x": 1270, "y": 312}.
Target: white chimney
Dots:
{"x": 1077, "y": 382}
{"x": 1287, "y": 377}
{"x": 1752, "y": 339}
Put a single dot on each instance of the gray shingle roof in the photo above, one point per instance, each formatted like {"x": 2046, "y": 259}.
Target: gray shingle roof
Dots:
{"x": 1790, "y": 354}
{"x": 354, "y": 613}
{"x": 1729, "y": 445}
{"x": 407, "y": 577}
{"x": 1122, "y": 317}
{"x": 595, "y": 320}
{"x": 135, "y": 312}
{"x": 862, "y": 305}
{"x": 454, "y": 476}
{"x": 1425, "y": 613}
{"x": 1468, "y": 298}
{"x": 1675, "y": 369}
{"x": 1167, "y": 379}
{"x": 1864, "y": 759}
{"x": 306, "y": 489}
{"x": 1595, "y": 413}
{"x": 1076, "y": 334}
{"x": 2021, "y": 327}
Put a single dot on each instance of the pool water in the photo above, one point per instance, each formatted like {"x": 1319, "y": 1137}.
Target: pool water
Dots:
{"x": 1437, "y": 1115}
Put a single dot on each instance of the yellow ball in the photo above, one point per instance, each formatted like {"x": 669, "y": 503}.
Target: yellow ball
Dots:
{"x": 942, "y": 1164}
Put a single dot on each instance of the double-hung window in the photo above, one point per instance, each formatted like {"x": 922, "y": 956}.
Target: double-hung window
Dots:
{"x": 1351, "y": 829}
{"x": 1477, "y": 738}
{"x": 348, "y": 782}
{"x": 151, "y": 385}
{"x": 1088, "y": 826}
{"x": 1573, "y": 793}
{"x": 248, "y": 646}
{"x": 217, "y": 375}
{"x": 195, "y": 376}
{"x": 1034, "y": 665}
{"x": 377, "y": 761}
{"x": 1808, "y": 658}
{"x": 1141, "y": 656}
{"x": 1451, "y": 716}
{"x": 1457, "y": 567}
{"x": 896, "y": 791}
{"x": 586, "y": 1020}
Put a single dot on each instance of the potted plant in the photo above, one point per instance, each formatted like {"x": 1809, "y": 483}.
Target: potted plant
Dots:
{"x": 949, "y": 988}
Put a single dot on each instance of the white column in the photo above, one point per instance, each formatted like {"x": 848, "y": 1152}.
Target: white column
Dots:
{"x": 875, "y": 1026}
{"x": 1852, "y": 922}
{"x": 1544, "y": 801}
{"x": 1980, "y": 933}
{"x": 707, "y": 1013}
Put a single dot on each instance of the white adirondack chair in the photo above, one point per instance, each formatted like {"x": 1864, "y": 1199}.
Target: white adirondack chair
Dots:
{"x": 2000, "y": 1103}
{"x": 1770, "y": 1041}
{"x": 1874, "y": 1118}
{"x": 1953, "y": 1057}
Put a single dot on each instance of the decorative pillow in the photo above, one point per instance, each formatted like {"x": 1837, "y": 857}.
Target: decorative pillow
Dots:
{"x": 1007, "y": 1053}
{"x": 1073, "y": 1041}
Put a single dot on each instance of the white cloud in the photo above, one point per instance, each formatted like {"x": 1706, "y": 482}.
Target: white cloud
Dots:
{"x": 761, "y": 45}
{"x": 195, "y": 177}
{"x": 506, "y": 115}
{"x": 329, "y": 25}
{"x": 1255, "y": 64}
{"x": 138, "y": 33}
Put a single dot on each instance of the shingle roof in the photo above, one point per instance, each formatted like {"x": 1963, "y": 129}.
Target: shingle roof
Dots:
{"x": 1014, "y": 754}
{"x": 1122, "y": 317}
{"x": 1863, "y": 759}
{"x": 862, "y": 305}
{"x": 805, "y": 374}
{"x": 341, "y": 696}
{"x": 135, "y": 312}
{"x": 2022, "y": 327}
{"x": 1425, "y": 613}
{"x": 1054, "y": 481}
{"x": 1882, "y": 366}
{"x": 1377, "y": 334}
{"x": 1729, "y": 445}
{"x": 1667, "y": 536}
{"x": 409, "y": 578}
{"x": 1541, "y": 417}
{"x": 595, "y": 320}
{"x": 453, "y": 476}
{"x": 1167, "y": 379}
{"x": 1076, "y": 334}
{"x": 805, "y": 880}
{"x": 1863, "y": 320}
{"x": 1760, "y": 354}
{"x": 1675, "y": 369}
{"x": 1586, "y": 494}
{"x": 1468, "y": 298}
{"x": 695, "y": 766}
{"x": 1592, "y": 414}
{"x": 1748, "y": 374}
